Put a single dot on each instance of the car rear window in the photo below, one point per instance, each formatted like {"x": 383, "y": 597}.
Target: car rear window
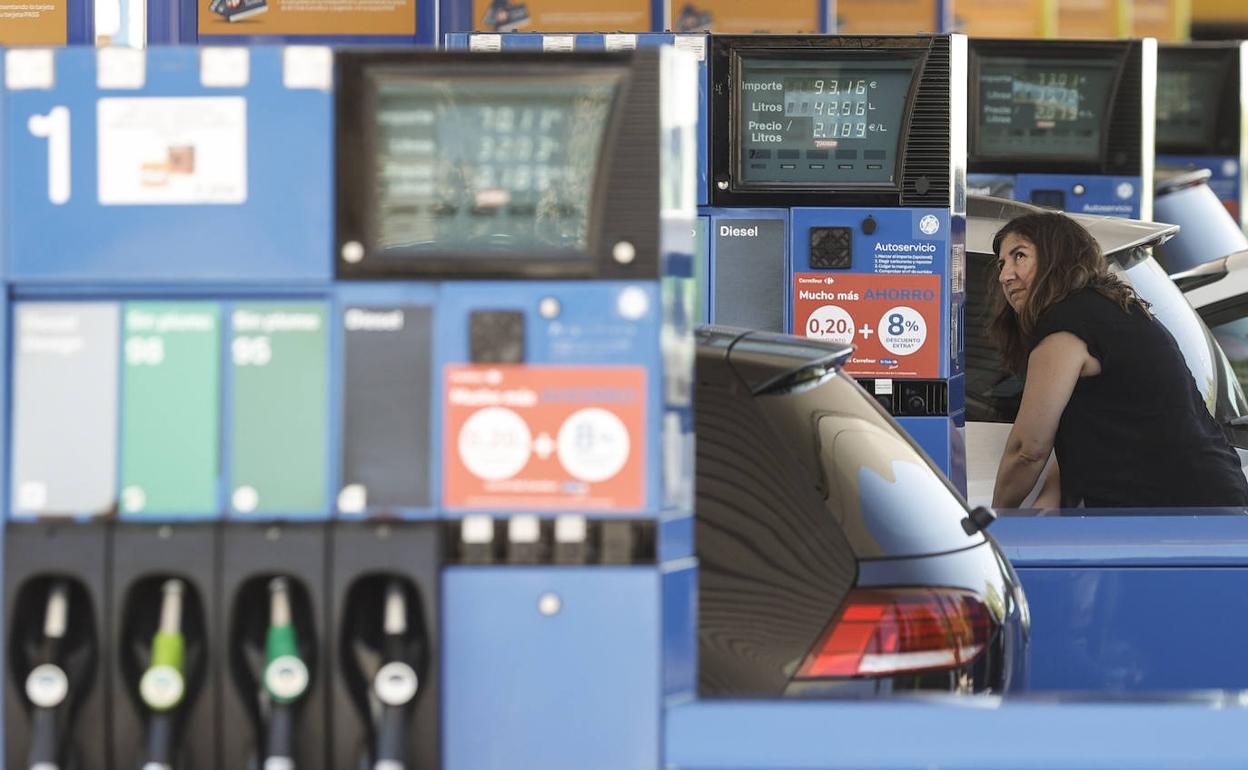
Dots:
{"x": 886, "y": 494}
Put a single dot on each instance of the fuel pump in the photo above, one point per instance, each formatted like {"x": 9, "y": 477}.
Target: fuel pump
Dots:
{"x": 1200, "y": 109}
{"x": 838, "y": 210}
{"x": 1202, "y": 157}
{"x": 1066, "y": 125}
{"x": 553, "y": 254}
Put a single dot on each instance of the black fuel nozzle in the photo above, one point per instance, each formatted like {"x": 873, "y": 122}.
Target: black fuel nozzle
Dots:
{"x": 47, "y": 685}
{"x": 396, "y": 683}
{"x": 163, "y": 685}
{"x": 285, "y": 678}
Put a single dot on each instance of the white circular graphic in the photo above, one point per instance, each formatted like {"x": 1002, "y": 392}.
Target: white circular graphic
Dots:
{"x": 1229, "y": 168}
{"x": 495, "y": 443}
{"x": 549, "y": 308}
{"x": 353, "y": 498}
{"x": 593, "y": 445}
{"x": 830, "y": 323}
{"x": 286, "y": 677}
{"x": 395, "y": 683}
{"x": 47, "y": 686}
{"x": 549, "y": 604}
{"x": 352, "y": 252}
{"x": 902, "y": 330}
{"x": 929, "y": 225}
{"x": 162, "y": 687}
{"x": 1125, "y": 190}
{"x": 245, "y": 499}
{"x": 632, "y": 303}
{"x": 133, "y": 499}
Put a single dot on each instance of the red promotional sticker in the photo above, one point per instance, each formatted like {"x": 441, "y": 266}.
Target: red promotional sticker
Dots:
{"x": 544, "y": 437}
{"x": 893, "y": 321}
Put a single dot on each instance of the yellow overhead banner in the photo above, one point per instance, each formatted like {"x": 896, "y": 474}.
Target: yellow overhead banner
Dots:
{"x": 1006, "y": 18}
{"x": 1166, "y": 20}
{"x": 1093, "y": 18}
{"x": 34, "y": 22}
{"x": 1220, "y": 10}
{"x": 738, "y": 16}
{"x": 887, "y": 17}
{"x": 561, "y": 15}
{"x": 307, "y": 17}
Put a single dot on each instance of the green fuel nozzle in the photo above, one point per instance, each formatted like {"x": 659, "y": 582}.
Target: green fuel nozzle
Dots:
{"x": 285, "y": 674}
{"x": 285, "y": 678}
{"x": 163, "y": 683}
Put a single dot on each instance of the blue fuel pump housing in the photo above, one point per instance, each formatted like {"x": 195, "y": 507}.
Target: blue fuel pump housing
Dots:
{"x": 1066, "y": 125}
{"x": 854, "y": 147}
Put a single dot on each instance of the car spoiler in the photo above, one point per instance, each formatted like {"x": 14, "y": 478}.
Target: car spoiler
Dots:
{"x": 767, "y": 362}
{"x": 985, "y": 215}
{"x": 1201, "y": 275}
{"x": 1171, "y": 180}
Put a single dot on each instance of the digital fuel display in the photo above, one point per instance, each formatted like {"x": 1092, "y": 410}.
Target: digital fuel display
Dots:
{"x": 475, "y": 166}
{"x": 813, "y": 123}
{"x": 1046, "y": 110}
{"x": 1187, "y": 103}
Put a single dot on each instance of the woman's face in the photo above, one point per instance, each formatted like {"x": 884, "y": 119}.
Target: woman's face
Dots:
{"x": 1016, "y": 267}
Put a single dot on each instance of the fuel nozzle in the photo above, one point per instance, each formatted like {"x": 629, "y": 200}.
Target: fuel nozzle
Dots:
{"x": 47, "y": 685}
{"x": 164, "y": 683}
{"x": 285, "y": 678}
{"x": 396, "y": 683}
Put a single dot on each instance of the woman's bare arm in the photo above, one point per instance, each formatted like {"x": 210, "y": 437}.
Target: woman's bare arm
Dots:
{"x": 1051, "y": 491}
{"x": 1053, "y": 369}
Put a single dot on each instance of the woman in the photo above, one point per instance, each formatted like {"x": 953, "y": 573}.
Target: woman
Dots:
{"x": 1105, "y": 384}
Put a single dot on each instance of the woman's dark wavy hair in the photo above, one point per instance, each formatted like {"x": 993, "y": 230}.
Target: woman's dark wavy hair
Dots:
{"x": 1068, "y": 259}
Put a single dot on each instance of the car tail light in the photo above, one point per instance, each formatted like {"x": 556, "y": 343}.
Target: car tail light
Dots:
{"x": 894, "y": 630}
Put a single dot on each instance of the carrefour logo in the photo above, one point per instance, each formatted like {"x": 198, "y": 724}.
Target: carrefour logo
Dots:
{"x": 929, "y": 225}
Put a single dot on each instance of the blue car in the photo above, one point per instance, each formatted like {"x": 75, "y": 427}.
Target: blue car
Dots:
{"x": 835, "y": 559}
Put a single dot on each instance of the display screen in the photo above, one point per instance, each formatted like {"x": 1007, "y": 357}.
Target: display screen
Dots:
{"x": 1187, "y": 103}
{"x": 821, "y": 123}
{"x": 1032, "y": 109}
{"x": 480, "y": 166}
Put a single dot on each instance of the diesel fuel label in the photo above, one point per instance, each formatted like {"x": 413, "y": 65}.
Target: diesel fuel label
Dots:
{"x": 893, "y": 321}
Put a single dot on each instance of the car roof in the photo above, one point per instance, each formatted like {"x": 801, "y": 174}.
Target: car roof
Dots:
{"x": 764, "y": 360}
{"x": 985, "y": 215}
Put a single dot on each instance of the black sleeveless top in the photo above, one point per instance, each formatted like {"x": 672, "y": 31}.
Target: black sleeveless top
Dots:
{"x": 1138, "y": 434}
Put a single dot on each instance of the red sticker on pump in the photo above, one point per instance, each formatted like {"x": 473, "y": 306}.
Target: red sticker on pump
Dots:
{"x": 893, "y": 321}
{"x": 544, "y": 437}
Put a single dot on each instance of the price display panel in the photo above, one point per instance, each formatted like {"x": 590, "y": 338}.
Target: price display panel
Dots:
{"x": 1043, "y": 110}
{"x": 1188, "y": 95}
{"x": 827, "y": 123}
{"x": 484, "y": 167}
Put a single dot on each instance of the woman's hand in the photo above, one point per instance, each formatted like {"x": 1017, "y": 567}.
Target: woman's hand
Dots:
{"x": 1053, "y": 369}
